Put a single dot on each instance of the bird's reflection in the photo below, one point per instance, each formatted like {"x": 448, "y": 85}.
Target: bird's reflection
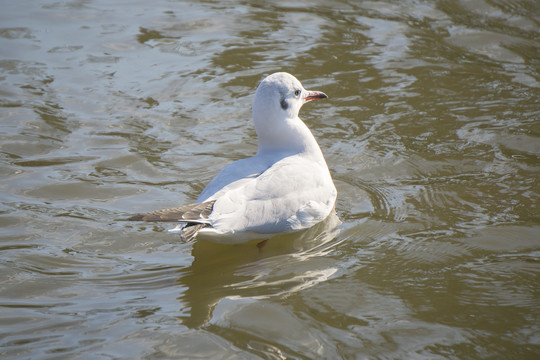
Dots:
{"x": 244, "y": 270}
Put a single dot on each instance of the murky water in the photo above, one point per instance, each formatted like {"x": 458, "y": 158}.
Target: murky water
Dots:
{"x": 431, "y": 132}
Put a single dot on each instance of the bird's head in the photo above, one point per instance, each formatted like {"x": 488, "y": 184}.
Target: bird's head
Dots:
{"x": 282, "y": 95}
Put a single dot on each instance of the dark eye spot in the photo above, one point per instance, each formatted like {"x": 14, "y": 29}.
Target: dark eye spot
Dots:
{"x": 284, "y": 104}
{"x": 297, "y": 92}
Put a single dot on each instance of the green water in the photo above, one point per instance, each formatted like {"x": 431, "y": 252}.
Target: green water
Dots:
{"x": 431, "y": 133}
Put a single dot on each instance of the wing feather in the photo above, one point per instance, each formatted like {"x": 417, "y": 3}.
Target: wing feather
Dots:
{"x": 194, "y": 213}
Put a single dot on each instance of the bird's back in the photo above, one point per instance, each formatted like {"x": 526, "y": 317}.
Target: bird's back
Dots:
{"x": 290, "y": 194}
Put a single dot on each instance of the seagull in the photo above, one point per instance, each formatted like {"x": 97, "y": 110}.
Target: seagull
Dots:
{"x": 285, "y": 187}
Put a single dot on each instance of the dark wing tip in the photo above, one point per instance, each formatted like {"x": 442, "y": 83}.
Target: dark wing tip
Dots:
{"x": 138, "y": 217}
{"x": 190, "y": 231}
{"x": 194, "y": 213}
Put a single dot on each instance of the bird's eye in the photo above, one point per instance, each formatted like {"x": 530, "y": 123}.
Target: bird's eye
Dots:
{"x": 297, "y": 92}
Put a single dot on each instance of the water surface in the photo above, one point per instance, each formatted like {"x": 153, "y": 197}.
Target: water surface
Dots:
{"x": 431, "y": 133}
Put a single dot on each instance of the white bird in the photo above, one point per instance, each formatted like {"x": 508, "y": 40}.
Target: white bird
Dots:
{"x": 285, "y": 187}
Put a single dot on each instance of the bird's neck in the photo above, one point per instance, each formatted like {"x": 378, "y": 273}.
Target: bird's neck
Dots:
{"x": 290, "y": 136}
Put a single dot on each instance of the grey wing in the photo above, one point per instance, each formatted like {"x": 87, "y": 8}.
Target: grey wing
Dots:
{"x": 194, "y": 213}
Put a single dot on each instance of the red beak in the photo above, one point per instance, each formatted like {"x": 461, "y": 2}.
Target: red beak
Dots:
{"x": 314, "y": 95}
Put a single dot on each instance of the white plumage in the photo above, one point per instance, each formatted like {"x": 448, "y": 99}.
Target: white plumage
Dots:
{"x": 284, "y": 188}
